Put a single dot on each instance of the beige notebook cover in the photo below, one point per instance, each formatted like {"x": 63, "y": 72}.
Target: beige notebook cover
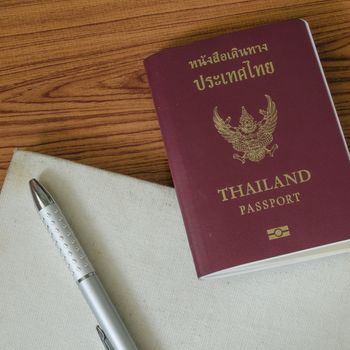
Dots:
{"x": 132, "y": 232}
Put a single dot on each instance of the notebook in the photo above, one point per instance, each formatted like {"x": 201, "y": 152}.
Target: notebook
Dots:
{"x": 132, "y": 232}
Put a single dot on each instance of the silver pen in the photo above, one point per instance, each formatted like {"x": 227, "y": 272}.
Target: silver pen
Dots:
{"x": 110, "y": 328}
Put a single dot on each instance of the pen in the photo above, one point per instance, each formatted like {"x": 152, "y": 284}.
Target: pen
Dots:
{"x": 110, "y": 328}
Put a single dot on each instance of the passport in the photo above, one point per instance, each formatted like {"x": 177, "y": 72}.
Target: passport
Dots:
{"x": 259, "y": 161}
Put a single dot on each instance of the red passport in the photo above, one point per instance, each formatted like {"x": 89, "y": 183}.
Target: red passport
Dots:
{"x": 258, "y": 158}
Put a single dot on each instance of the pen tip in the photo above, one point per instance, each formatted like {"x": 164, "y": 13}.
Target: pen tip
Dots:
{"x": 41, "y": 197}
{"x": 33, "y": 181}
{"x": 33, "y": 184}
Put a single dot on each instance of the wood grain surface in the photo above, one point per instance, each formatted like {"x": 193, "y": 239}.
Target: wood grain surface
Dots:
{"x": 73, "y": 85}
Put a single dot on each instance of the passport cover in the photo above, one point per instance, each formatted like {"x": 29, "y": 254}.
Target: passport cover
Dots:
{"x": 256, "y": 151}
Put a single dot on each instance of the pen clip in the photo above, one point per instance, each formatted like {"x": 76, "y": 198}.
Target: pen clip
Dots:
{"x": 104, "y": 338}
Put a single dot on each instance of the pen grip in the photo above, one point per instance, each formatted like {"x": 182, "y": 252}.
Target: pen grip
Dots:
{"x": 65, "y": 241}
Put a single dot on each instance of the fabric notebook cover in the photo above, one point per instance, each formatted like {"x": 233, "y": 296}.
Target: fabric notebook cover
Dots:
{"x": 133, "y": 233}
{"x": 225, "y": 229}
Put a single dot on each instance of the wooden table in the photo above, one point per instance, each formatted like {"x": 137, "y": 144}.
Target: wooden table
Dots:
{"x": 72, "y": 82}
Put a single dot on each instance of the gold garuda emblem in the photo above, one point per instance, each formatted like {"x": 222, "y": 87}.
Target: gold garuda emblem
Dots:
{"x": 251, "y": 138}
